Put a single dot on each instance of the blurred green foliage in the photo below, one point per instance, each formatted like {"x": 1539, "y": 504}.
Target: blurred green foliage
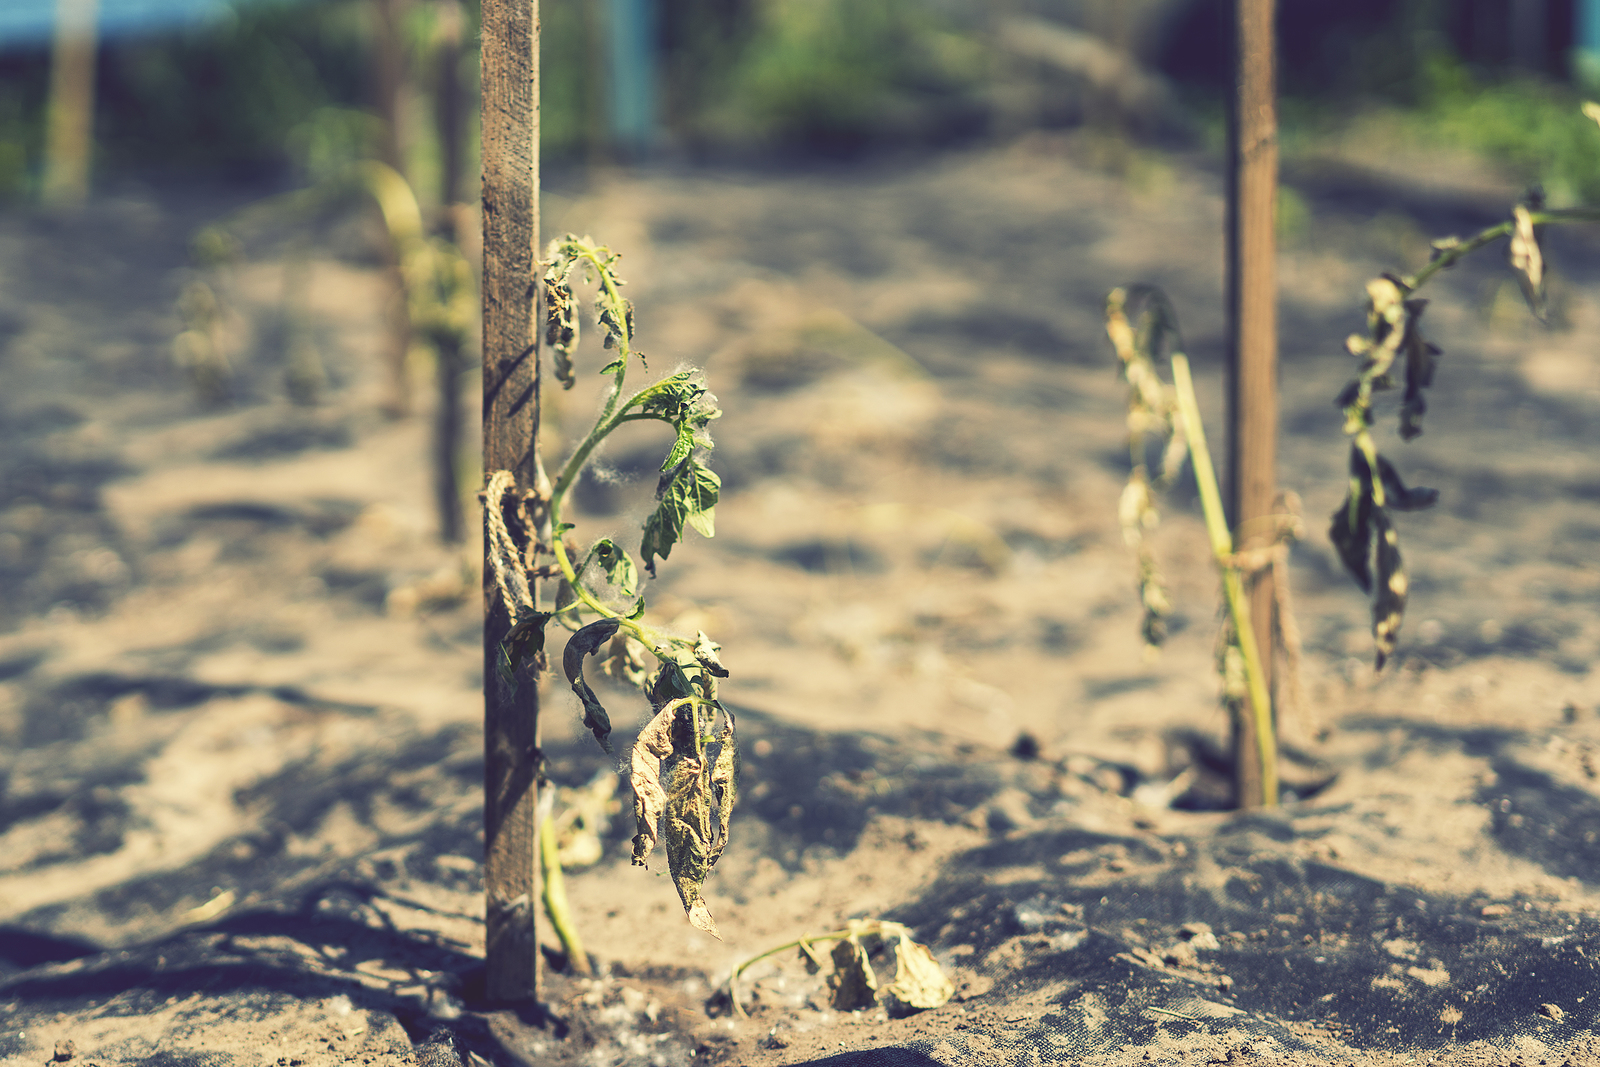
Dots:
{"x": 840, "y": 72}
{"x": 757, "y": 73}
{"x": 224, "y": 95}
{"x": 282, "y": 84}
{"x": 1532, "y": 127}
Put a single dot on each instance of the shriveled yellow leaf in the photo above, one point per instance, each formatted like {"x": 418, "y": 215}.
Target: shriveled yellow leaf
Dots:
{"x": 919, "y": 982}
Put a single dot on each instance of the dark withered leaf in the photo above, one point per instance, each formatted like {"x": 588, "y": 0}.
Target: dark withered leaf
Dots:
{"x": 585, "y": 643}
{"x": 523, "y": 644}
{"x": 1350, "y": 528}
{"x": 852, "y": 985}
{"x": 1400, "y": 497}
{"x": 1389, "y": 604}
{"x": 1421, "y": 359}
{"x": 561, "y": 329}
{"x": 670, "y": 684}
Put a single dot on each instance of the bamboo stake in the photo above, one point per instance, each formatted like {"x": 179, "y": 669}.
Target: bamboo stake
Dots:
{"x": 1265, "y": 755}
{"x": 510, "y": 121}
{"x": 1253, "y": 346}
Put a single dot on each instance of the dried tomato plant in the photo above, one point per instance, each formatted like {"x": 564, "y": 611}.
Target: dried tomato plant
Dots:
{"x": 684, "y": 765}
{"x": 1394, "y": 354}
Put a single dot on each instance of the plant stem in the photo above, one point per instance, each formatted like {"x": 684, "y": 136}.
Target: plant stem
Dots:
{"x": 836, "y": 935}
{"x": 1448, "y": 257}
{"x": 1205, "y": 477}
{"x": 555, "y": 898}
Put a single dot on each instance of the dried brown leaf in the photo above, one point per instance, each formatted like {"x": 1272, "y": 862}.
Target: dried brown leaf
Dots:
{"x": 653, "y": 745}
{"x": 919, "y": 982}
{"x": 695, "y": 809}
{"x": 1527, "y": 260}
{"x": 852, "y": 984}
{"x": 699, "y": 809}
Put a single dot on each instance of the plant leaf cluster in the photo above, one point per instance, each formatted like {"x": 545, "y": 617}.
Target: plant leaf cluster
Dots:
{"x": 1175, "y": 412}
{"x": 1394, "y": 354}
{"x": 684, "y": 765}
{"x": 1141, "y": 323}
{"x": 919, "y": 982}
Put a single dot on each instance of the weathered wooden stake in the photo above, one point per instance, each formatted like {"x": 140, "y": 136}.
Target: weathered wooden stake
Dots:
{"x": 69, "y": 136}
{"x": 448, "y": 104}
{"x": 510, "y": 121}
{"x": 1253, "y": 337}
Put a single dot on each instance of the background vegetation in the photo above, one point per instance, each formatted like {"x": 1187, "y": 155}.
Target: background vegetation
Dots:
{"x": 752, "y": 77}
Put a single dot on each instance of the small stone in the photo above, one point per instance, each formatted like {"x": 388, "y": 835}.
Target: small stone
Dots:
{"x": 1495, "y": 911}
{"x": 1552, "y": 1012}
{"x": 65, "y": 1050}
{"x": 1181, "y": 954}
{"x": 1224, "y": 983}
{"x": 1200, "y": 936}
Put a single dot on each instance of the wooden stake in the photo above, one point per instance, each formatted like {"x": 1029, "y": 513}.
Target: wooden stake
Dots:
{"x": 510, "y": 121}
{"x": 448, "y": 102}
{"x": 1253, "y": 337}
{"x": 69, "y": 137}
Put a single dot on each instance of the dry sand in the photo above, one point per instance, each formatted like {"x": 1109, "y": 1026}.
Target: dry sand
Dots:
{"x": 239, "y": 677}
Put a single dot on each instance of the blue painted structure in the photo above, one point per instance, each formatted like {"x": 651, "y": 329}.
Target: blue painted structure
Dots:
{"x": 29, "y": 23}
{"x": 631, "y": 26}
{"x": 1586, "y": 41}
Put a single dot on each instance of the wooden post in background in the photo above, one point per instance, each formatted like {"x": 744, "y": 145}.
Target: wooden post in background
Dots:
{"x": 448, "y": 101}
{"x": 510, "y": 117}
{"x": 69, "y": 135}
{"x": 1253, "y": 335}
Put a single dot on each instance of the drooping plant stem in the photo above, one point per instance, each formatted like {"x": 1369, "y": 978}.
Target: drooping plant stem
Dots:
{"x": 799, "y": 942}
{"x": 554, "y": 894}
{"x": 1205, "y": 477}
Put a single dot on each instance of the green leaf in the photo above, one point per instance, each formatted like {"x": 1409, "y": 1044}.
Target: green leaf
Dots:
{"x": 686, "y": 496}
{"x": 683, "y": 401}
{"x": 682, "y": 445}
{"x": 585, "y": 643}
{"x": 618, "y": 567}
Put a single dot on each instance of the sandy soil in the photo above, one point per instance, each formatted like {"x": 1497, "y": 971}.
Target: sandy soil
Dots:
{"x": 239, "y": 676}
